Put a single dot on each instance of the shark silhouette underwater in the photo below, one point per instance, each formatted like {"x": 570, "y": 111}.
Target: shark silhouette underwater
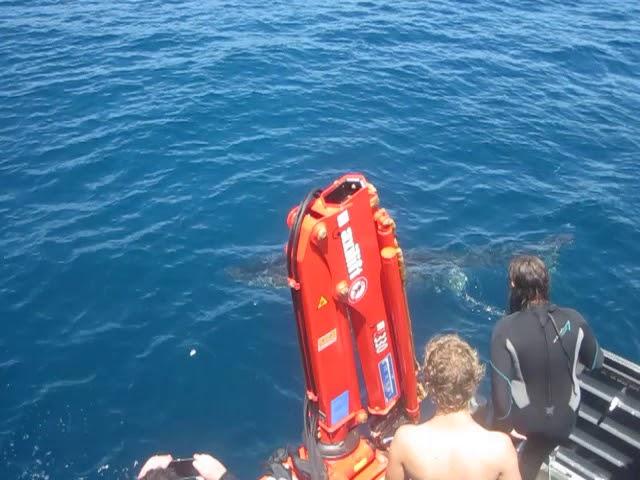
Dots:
{"x": 439, "y": 268}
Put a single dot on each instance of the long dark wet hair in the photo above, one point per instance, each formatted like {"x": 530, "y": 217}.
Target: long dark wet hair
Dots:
{"x": 528, "y": 282}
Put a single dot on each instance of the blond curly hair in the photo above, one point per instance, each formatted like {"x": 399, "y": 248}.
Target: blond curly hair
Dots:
{"x": 453, "y": 371}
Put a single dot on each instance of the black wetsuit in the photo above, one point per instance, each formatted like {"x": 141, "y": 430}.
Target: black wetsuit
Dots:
{"x": 534, "y": 382}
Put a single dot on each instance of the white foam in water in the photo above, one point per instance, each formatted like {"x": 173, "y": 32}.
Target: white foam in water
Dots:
{"x": 458, "y": 282}
{"x": 457, "y": 279}
{"x": 192, "y": 352}
{"x": 490, "y": 309}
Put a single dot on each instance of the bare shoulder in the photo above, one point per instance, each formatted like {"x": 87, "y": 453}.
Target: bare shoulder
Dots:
{"x": 404, "y": 435}
{"x": 504, "y": 456}
{"x": 500, "y": 443}
{"x": 408, "y": 437}
{"x": 401, "y": 440}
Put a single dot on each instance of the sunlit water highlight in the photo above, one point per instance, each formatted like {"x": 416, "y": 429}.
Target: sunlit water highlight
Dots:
{"x": 151, "y": 150}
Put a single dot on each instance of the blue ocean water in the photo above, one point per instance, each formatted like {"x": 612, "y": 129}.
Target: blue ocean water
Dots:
{"x": 150, "y": 149}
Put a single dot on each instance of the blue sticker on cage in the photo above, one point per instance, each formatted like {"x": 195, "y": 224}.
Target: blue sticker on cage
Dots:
{"x": 388, "y": 378}
{"x": 340, "y": 407}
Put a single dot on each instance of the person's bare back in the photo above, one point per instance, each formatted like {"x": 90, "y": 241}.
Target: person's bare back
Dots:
{"x": 451, "y": 445}
{"x": 454, "y": 447}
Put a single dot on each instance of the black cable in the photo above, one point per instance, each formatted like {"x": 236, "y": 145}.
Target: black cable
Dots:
{"x": 310, "y": 412}
{"x": 310, "y": 437}
{"x": 292, "y": 270}
{"x": 294, "y": 235}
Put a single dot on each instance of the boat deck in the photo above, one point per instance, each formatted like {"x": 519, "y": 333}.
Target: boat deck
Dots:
{"x": 606, "y": 442}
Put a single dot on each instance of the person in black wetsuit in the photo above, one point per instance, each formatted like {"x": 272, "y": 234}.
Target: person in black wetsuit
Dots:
{"x": 534, "y": 355}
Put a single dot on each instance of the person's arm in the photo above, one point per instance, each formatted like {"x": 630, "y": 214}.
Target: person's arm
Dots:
{"x": 156, "y": 462}
{"x": 501, "y": 374}
{"x": 210, "y": 468}
{"x": 591, "y": 355}
{"x": 509, "y": 461}
{"x": 395, "y": 469}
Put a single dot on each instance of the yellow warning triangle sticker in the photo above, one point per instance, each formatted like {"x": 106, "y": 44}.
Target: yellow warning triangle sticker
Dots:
{"x": 322, "y": 302}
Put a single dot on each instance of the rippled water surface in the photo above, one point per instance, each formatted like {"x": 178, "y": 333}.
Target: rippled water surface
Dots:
{"x": 149, "y": 152}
